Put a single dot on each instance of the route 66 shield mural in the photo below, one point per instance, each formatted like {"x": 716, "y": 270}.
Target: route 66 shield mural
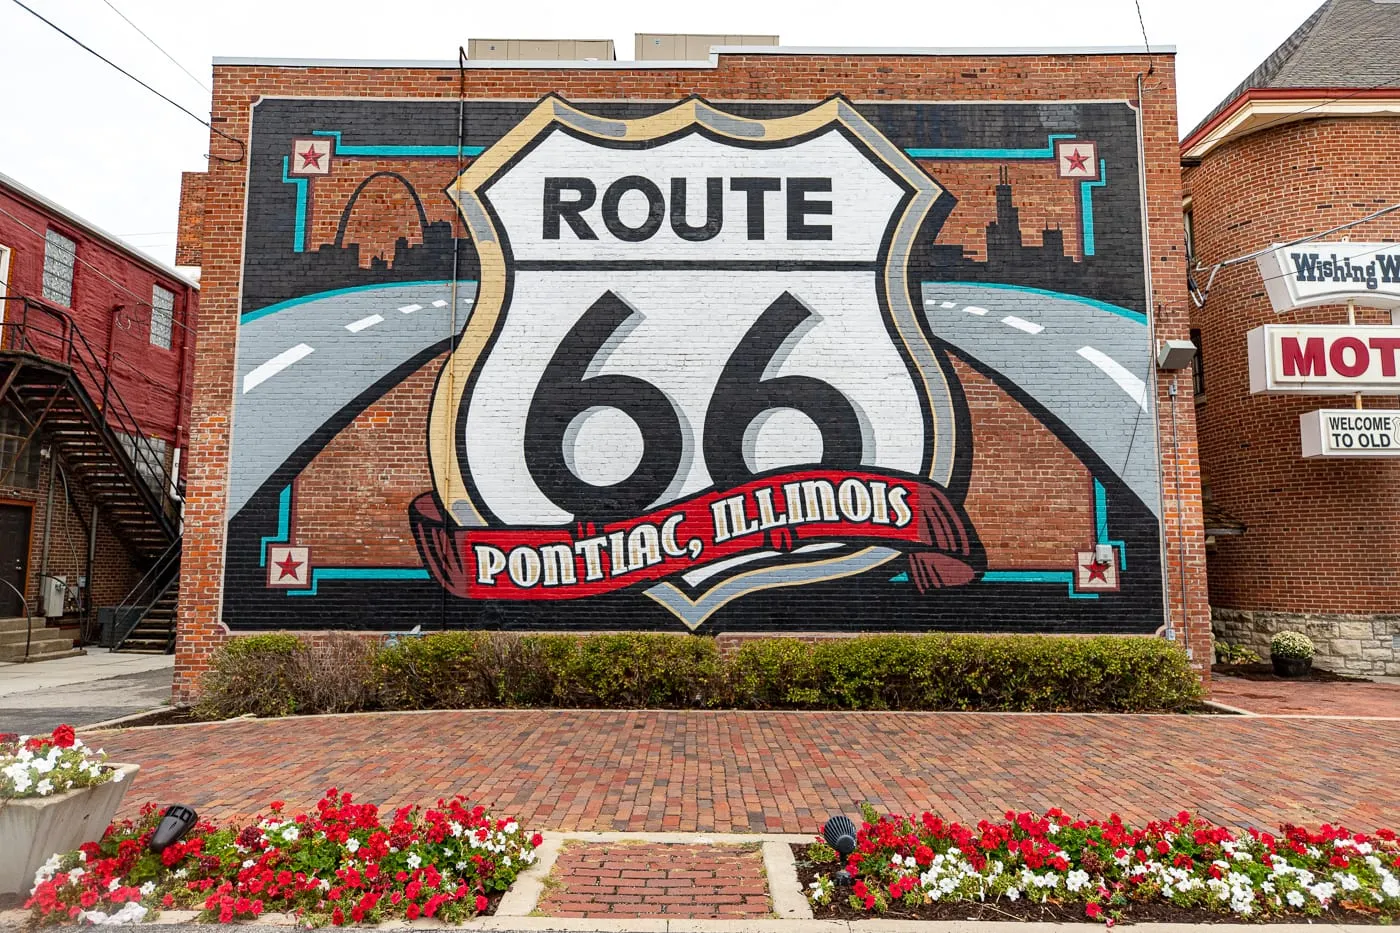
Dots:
{"x": 694, "y": 367}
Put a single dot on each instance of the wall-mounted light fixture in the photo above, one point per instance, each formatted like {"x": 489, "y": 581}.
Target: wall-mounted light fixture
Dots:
{"x": 1174, "y": 355}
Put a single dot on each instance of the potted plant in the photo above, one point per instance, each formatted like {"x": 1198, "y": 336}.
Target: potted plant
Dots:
{"x": 55, "y": 794}
{"x": 1292, "y": 654}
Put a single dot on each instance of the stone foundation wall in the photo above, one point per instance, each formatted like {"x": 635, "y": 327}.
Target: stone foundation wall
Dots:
{"x": 1345, "y": 643}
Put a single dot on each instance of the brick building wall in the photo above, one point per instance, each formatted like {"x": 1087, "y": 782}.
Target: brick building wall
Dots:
{"x": 349, "y": 509}
{"x": 111, "y": 306}
{"x": 1321, "y": 553}
{"x": 191, "y": 219}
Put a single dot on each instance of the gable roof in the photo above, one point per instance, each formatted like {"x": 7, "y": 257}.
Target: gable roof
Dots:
{"x": 1345, "y": 44}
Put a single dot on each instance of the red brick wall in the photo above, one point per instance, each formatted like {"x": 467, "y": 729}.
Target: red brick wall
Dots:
{"x": 737, "y": 77}
{"x": 152, "y": 381}
{"x": 190, "y": 235}
{"x": 1323, "y": 535}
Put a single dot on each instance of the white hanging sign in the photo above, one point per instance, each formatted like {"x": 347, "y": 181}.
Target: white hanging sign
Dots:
{"x": 1350, "y": 432}
{"x": 1324, "y": 360}
{"x": 1311, "y": 274}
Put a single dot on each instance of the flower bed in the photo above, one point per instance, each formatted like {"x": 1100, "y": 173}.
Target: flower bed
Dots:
{"x": 47, "y": 765}
{"x": 343, "y": 863}
{"x": 1053, "y": 867}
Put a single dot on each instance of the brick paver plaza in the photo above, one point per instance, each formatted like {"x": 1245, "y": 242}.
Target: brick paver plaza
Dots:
{"x": 781, "y": 772}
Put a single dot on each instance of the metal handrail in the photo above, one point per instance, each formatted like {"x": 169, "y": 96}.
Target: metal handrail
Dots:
{"x": 75, "y": 349}
{"x": 146, "y": 593}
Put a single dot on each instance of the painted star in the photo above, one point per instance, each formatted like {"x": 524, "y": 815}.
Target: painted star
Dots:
{"x": 1098, "y": 570}
{"x": 288, "y": 567}
{"x": 1077, "y": 161}
{"x": 310, "y": 158}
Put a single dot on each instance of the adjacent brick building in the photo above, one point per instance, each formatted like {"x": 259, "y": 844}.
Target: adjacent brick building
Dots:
{"x": 96, "y": 369}
{"x": 1308, "y": 142}
{"x": 793, "y": 341}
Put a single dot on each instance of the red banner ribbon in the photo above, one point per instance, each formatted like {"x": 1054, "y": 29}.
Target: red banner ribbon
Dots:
{"x": 776, "y": 513}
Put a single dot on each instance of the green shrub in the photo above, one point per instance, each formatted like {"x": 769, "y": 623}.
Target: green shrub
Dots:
{"x": 258, "y": 674}
{"x": 277, "y": 674}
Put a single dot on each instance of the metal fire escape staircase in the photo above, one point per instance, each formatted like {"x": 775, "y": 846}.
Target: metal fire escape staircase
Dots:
{"x": 64, "y": 394}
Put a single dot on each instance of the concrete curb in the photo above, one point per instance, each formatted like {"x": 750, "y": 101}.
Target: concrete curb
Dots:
{"x": 122, "y": 720}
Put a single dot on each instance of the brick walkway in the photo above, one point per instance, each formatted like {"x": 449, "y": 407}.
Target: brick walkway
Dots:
{"x": 640, "y": 880}
{"x": 1272, "y": 697}
{"x": 781, "y": 772}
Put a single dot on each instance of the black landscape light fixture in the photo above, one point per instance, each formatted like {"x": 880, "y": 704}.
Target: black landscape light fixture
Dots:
{"x": 178, "y": 820}
{"x": 840, "y": 833}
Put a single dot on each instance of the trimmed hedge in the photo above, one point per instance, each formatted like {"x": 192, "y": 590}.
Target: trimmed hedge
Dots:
{"x": 278, "y": 674}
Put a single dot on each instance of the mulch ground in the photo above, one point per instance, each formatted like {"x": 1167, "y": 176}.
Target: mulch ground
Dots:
{"x": 657, "y": 880}
{"x": 1264, "y": 671}
{"x": 1024, "y": 910}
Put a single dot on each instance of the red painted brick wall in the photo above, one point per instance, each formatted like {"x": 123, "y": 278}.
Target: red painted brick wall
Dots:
{"x": 153, "y": 382}
{"x": 738, "y": 77}
{"x": 1323, "y": 535}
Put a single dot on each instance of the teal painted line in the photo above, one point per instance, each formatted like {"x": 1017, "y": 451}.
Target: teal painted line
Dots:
{"x": 304, "y": 299}
{"x": 900, "y": 578}
{"x": 1091, "y": 302}
{"x": 342, "y": 149}
{"x": 1047, "y": 153}
{"x": 1037, "y": 576}
{"x": 284, "y": 523}
{"x": 299, "y": 230}
{"x": 1101, "y": 525}
{"x": 1100, "y": 513}
{"x": 1086, "y": 206}
{"x": 360, "y": 573}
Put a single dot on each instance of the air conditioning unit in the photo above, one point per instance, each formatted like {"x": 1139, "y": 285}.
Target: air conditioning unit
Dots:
{"x": 51, "y": 593}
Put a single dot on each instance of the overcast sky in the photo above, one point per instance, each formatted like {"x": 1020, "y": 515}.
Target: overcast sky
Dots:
{"x": 111, "y": 152}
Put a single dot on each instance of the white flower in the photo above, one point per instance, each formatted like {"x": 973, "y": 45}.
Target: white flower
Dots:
{"x": 414, "y": 860}
{"x": 353, "y": 845}
{"x": 1012, "y": 894}
{"x": 44, "y": 787}
{"x": 1348, "y": 882}
{"x": 1324, "y": 891}
{"x": 291, "y": 834}
{"x": 1295, "y": 898}
{"x": 1077, "y": 879}
{"x": 148, "y": 888}
{"x": 512, "y": 827}
{"x": 117, "y": 775}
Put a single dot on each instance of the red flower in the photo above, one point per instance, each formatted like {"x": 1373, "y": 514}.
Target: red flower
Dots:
{"x": 1093, "y": 911}
{"x": 481, "y": 903}
{"x": 1163, "y": 847}
{"x": 63, "y": 736}
{"x": 277, "y": 805}
{"x": 536, "y": 840}
{"x": 338, "y": 917}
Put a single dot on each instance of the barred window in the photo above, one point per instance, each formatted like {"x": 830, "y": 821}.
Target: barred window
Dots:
{"x": 25, "y": 460}
{"x": 1198, "y": 369}
{"x": 162, "y": 316}
{"x": 60, "y": 253}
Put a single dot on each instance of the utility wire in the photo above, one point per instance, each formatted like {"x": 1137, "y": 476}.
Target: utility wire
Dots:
{"x": 156, "y": 45}
{"x": 1216, "y": 268}
{"x": 243, "y": 149}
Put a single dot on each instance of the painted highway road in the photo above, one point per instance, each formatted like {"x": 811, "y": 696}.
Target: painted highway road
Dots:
{"x": 1085, "y": 361}
{"x": 1088, "y": 363}
{"x": 300, "y": 362}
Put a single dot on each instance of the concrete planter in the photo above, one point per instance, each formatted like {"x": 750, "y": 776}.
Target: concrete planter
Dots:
{"x": 34, "y": 828}
{"x": 1291, "y": 667}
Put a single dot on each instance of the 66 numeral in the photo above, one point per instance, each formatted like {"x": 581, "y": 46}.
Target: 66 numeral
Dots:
{"x": 742, "y": 394}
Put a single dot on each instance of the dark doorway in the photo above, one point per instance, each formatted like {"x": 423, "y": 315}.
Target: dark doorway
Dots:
{"x": 14, "y": 557}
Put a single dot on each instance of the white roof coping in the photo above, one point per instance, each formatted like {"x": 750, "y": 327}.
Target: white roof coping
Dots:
{"x": 88, "y": 226}
{"x": 715, "y": 52}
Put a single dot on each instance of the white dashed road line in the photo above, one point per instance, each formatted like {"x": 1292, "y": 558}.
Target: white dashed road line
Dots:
{"x": 409, "y": 309}
{"x": 1019, "y": 323}
{"x": 439, "y": 303}
{"x": 1128, "y": 382}
{"x": 355, "y": 327}
{"x": 973, "y": 309}
{"x": 272, "y": 367}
